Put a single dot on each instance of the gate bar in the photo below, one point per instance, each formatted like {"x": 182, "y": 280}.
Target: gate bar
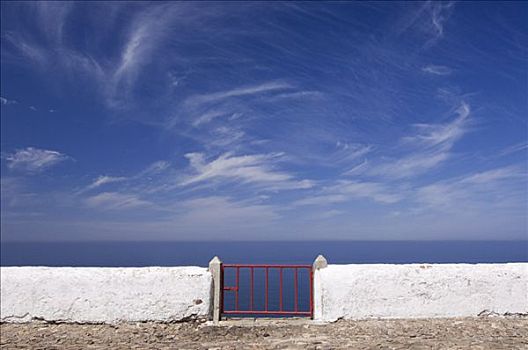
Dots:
{"x": 296, "y": 291}
{"x": 236, "y": 291}
{"x": 266, "y": 292}
{"x": 280, "y": 290}
{"x": 252, "y": 288}
{"x": 311, "y": 292}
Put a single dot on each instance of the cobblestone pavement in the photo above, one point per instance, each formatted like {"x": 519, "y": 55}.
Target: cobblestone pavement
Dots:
{"x": 462, "y": 333}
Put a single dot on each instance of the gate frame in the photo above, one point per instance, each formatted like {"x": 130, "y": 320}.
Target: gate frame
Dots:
{"x": 266, "y": 311}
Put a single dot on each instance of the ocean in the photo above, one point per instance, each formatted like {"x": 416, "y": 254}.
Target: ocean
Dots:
{"x": 279, "y": 252}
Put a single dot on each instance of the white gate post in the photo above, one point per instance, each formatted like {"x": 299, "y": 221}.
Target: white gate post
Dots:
{"x": 319, "y": 263}
{"x": 215, "y": 267}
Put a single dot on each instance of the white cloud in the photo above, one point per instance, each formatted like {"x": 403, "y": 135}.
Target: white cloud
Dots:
{"x": 207, "y": 117}
{"x": 51, "y": 17}
{"x": 115, "y": 76}
{"x": 26, "y": 50}
{"x": 348, "y": 152}
{"x": 494, "y": 175}
{"x": 522, "y": 146}
{"x": 439, "y": 13}
{"x": 101, "y": 180}
{"x": 437, "y": 70}
{"x": 322, "y": 199}
{"x": 346, "y": 191}
{"x": 494, "y": 187}
{"x": 411, "y": 165}
{"x": 442, "y": 134}
{"x": 144, "y": 37}
{"x": 357, "y": 168}
{"x": 5, "y": 101}
{"x": 154, "y": 168}
{"x": 376, "y": 191}
{"x": 14, "y": 194}
{"x": 151, "y": 170}
{"x": 428, "y": 19}
{"x": 33, "y": 159}
{"x": 116, "y": 201}
{"x": 255, "y": 169}
{"x": 298, "y": 95}
{"x": 202, "y": 109}
{"x": 225, "y": 136}
{"x": 440, "y": 195}
{"x": 433, "y": 143}
{"x": 241, "y": 91}
{"x": 223, "y": 211}
{"x": 146, "y": 31}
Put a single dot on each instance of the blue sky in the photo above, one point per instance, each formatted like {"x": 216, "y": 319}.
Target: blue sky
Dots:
{"x": 256, "y": 121}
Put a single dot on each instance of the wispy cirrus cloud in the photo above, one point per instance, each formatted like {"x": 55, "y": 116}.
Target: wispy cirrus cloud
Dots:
{"x": 34, "y": 160}
{"x": 440, "y": 12}
{"x": 442, "y": 135}
{"x": 431, "y": 146}
{"x": 154, "y": 168}
{"x": 200, "y": 110}
{"x": 358, "y": 168}
{"x": 494, "y": 175}
{"x": 102, "y": 180}
{"x": 13, "y": 193}
{"x": 346, "y": 191}
{"x": 298, "y": 95}
{"x": 134, "y": 180}
{"x": 428, "y": 19}
{"x": 5, "y": 101}
{"x": 237, "y": 92}
{"x": 49, "y": 19}
{"x": 521, "y": 146}
{"x": 207, "y": 117}
{"x": 322, "y": 199}
{"x": 437, "y": 69}
{"x": 408, "y": 166}
{"x": 146, "y": 33}
{"x": 253, "y": 169}
{"x": 114, "y": 76}
{"x": 207, "y": 217}
{"x": 116, "y": 201}
{"x": 52, "y": 16}
{"x": 375, "y": 191}
{"x": 347, "y": 152}
{"x": 497, "y": 187}
{"x": 216, "y": 212}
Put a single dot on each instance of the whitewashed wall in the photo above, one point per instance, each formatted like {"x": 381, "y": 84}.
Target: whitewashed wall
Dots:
{"x": 110, "y": 295}
{"x": 87, "y": 294}
{"x": 414, "y": 291}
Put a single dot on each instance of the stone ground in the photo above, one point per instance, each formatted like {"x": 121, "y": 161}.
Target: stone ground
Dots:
{"x": 455, "y": 333}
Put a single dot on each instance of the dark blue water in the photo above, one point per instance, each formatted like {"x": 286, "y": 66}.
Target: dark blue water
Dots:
{"x": 199, "y": 253}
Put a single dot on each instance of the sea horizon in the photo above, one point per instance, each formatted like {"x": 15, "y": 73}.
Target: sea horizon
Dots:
{"x": 180, "y": 253}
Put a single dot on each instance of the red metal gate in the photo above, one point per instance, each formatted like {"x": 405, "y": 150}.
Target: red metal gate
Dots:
{"x": 244, "y": 300}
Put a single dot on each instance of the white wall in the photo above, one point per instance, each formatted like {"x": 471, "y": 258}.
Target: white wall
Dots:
{"x": 66, "y": 294}
{"x": 413, "y": 291}
{"x": 104, "y": 294}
